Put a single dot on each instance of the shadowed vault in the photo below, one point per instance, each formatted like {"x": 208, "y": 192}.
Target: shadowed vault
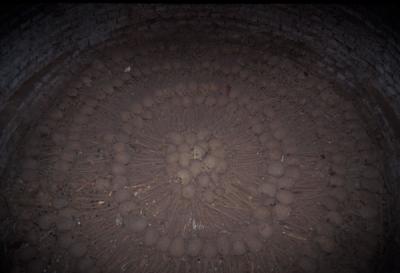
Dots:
{"x": 237, "y": 138}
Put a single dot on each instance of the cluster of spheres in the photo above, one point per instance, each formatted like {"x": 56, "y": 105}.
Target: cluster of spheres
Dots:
{"x": 218, "y": 158}
{"x": 195, "y": 159}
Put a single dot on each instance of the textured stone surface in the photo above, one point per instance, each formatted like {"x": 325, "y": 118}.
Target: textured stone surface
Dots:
{"x": 42, "y": 48}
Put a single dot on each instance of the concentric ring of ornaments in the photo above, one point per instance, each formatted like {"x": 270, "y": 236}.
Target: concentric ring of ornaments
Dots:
{"x": 127, "y": 173}
{"x": 197, "y": 171}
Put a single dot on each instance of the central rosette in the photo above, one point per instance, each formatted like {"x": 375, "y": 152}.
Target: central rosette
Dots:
{"x": 196, "y": 161}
